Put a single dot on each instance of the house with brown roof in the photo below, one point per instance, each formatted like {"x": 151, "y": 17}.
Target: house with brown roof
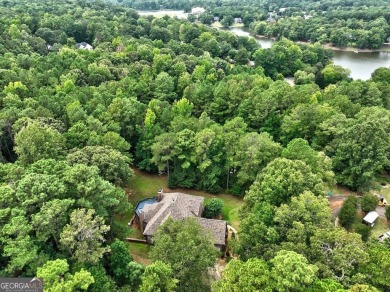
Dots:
{"x": 152, "y": 212}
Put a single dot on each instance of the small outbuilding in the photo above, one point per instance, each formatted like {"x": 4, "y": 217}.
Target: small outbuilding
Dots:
{"x": 370, "y": 218}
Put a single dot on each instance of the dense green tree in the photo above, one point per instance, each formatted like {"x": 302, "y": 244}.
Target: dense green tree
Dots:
{"x": 252, "y": 275}
{"x": 124, "y": 270}
{"x": 36, "y": 141}
{"x": 363, "y": 229}
{"x": 51, "y": 219}
{"x": 56, "y": 277}
{"x": 34, "y": 189}
{"x": 254, "y": 152}
{"x": 303, "y": 120}
{"x": 18, "y": 249}
{"x": 376, "y": 268}
{"x": 112, "y": 165}
{"x": 184, "y": 246}
{"x": 348, "y": 212}
{"x": 338, "y": 253}
{"x": 387, "y": 213}
{"x": 227, "y": 20}
{"x": 299, "y": 149}
{"x": 332, "y": 74}
{"x": 213, "y": 208}
{"x": 291, "y": 271}
{"x": 257, "y": 233}
{"x": 282, "y": 179}
{"x": 83, "y": 237}
{"x": 158, "y": 277}
{"x": 363, "y": 149}
{"x": 368, "y": 203}
{"x": 326, "y": 285}
{"x": 310, "y": 211}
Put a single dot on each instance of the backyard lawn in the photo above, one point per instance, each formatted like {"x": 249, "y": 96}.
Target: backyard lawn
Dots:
{"x": 145, "y": 185}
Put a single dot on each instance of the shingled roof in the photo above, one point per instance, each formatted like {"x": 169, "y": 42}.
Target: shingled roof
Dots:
{"x": 180, "y": 206}
{"x": 176, "y": 205}
{"x": 217, "y": 229}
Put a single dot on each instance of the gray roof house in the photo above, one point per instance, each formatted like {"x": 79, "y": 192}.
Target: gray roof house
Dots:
{"x": 84, "y": 46}
{"x": 151, "y": 213}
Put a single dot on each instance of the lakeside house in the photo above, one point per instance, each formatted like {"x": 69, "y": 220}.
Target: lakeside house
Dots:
{"x": 152, "y": 212}
{"x": 198, "y": 10}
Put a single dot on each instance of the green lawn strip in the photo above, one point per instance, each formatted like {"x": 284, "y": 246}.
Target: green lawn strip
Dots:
{"x": 139, "y": 252}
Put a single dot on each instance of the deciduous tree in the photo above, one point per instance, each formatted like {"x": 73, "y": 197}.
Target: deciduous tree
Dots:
{"x": 83, "y": 237}
{"x": 187, "y": 249}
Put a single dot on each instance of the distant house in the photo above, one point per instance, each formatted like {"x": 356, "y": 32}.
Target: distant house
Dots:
{"x": 197, "y": 10}
{"x": 151, "y": 213}
{"x": 84, "y": 46}
{"x": 251, "y": 63}
{"x": 271, "y": 19}
{"x": 238, "y": 20}
{"x": 283, "y": 9}
{"x": 216, "y": 18}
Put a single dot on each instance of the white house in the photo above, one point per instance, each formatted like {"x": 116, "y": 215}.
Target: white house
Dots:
{"x": 197, "y": 10}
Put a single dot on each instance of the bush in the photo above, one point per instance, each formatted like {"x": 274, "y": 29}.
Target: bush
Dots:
{"x": 347, "y": 215}
{"x": 368, "y": 203}
{"x": 213, "y": 208}
{"x": 387, "y": 213}
{"x": 364, "y": 230}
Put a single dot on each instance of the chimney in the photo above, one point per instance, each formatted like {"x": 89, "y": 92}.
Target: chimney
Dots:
{"x": 160, "y": 195}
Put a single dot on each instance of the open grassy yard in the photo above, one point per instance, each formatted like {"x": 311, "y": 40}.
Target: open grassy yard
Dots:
{"x": 145, "y": 185}
{"x": 380, "y": 227}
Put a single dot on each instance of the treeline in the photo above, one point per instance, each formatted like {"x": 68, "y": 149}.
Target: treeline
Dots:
{"x": 165, "y": 95}
{"x": 360, "y": 24}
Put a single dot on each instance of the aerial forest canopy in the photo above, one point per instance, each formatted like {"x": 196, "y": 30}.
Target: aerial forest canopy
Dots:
{"x": 208, "y": 108}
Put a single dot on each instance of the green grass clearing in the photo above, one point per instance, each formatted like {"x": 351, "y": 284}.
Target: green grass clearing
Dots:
{"x": 216, "y": 24}
{"x": 145, "y": 185}
{"x": 380, "y": 227}
{"x": 139, "y": 252}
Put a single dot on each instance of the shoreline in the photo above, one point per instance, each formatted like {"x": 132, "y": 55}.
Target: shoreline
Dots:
{"x": 333, "y": 48}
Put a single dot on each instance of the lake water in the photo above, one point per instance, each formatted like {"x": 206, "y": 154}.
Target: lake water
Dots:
{"x": 360, "y": 64}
